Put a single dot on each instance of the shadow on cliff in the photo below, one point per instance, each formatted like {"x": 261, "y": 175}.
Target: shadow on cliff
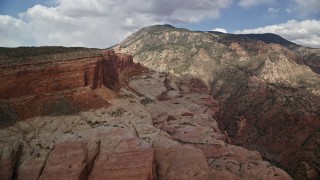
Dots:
{"x": 279, "y": 121}
{"x": 67, "y": 88}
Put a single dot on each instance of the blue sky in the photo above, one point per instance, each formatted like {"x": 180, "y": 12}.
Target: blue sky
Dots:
{"x": 237, "y": 18}
{"x": 102, "y": 23}
{"x": 14, "y": 7}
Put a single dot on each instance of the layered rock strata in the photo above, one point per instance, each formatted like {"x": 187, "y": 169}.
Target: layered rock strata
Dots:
{"x": 55, "y": 87}
{"x": 158, "y": 127}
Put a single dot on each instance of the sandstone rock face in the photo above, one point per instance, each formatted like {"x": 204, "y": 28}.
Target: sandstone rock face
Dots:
{"x": 267, "y": 89}
{"x": 137, "y": 136}
{"x": 61, "y": 86}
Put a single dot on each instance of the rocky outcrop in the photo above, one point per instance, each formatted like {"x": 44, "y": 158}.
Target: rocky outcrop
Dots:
{"x": 61, "y": 86}
{"x": 136, "y": 136}
{"x": 267, "y": 88}
{"x": 311, "y": 57}
{"x": 275, "y": 111}
{"x": 307, "y": 56}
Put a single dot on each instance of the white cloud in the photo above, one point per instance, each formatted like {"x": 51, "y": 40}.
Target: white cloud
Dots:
{"x": 304, "y": 32}
{"x": 312, "y": 41}
{"x": 220, "y": 30}
{"x": 273, "y": 10}
{"x": 13, "y": 31}
{"x": 99, "y": 23}
{"x": 288, "y": 10}
{"x": 250, "y": 3}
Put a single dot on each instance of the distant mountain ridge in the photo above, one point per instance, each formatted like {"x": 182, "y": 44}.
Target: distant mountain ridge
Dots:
{"x": 307, "y": 56}
{"x": 268, "y": 87}
{"x": 265, "y": 37}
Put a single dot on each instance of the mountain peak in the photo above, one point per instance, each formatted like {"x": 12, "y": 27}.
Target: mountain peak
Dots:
{"x": 169, "y": 25}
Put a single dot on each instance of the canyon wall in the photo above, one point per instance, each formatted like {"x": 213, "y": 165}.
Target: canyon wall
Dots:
{"x": 58, "y": 87}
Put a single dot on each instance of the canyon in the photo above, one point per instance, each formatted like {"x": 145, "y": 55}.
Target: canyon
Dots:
{"x": 113, "y": 119}
{"x": 166, "y": 103}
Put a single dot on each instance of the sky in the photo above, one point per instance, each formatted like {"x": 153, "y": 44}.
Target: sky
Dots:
{"x": 103, "y": 23}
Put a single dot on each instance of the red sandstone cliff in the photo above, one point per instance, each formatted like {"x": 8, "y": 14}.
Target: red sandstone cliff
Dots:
{"x": 63, "y": 86}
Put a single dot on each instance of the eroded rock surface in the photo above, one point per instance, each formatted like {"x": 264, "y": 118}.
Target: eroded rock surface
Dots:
{"x": 159, "y": 127}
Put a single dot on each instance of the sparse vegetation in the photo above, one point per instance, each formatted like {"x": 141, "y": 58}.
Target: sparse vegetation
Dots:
{"x": 43, "y": 54}
{"x": 117, "y": 112}
{"x": 145, "y": 101}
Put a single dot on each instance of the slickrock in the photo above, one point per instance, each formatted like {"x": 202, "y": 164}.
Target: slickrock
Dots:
{"x": 136, "y": 136}
{"x": 10, "y": 154}
{"x": 67, "y": 160}
{"x": 189, "y": 163}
